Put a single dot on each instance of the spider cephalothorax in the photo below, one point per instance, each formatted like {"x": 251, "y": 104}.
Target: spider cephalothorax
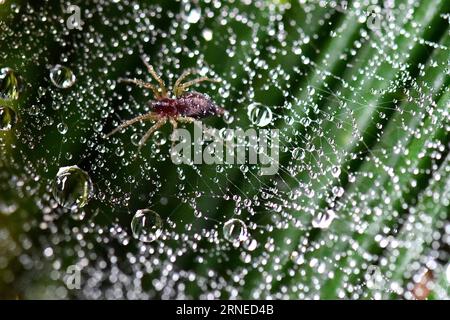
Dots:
{"x": 184, "y": 107}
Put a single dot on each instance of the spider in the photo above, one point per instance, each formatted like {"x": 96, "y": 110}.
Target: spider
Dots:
{"x": 185, "y": 107}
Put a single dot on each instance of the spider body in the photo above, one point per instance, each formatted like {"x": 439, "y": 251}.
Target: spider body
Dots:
{"x": 184, "y": 107}
{"x": 191, "y": 104}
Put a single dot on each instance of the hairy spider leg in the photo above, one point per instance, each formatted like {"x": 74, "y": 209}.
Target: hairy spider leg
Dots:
{"x": 143, "y": 117}
{"x": 152, "y": 71}
{"x": 174, "y": 123}
{"x": 179, "y": 87}
{"x": 186, "y": 119}
{"x": 155, "y": 127}
{"x": 181, "y": 78}
{"x": 143, "y": 84}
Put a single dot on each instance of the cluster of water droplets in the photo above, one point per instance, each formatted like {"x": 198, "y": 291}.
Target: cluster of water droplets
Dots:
{"x": 341, "y": 214}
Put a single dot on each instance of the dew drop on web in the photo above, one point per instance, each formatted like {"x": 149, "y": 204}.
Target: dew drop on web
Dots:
{"x": 235, "y": 230}
{"x": 62, "y": 77}
{"x": 260, "y": 115}
{"x": 323, "y": 220}
{"x": 72, "y": 187}
{"x": 62, "y": 128}
{"x": 146, "y": 225}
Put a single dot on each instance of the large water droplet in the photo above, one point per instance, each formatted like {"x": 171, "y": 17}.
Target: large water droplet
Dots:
{"x": 146, "y": 225}
{"x": 259, "y": 114}
{"x": 8, "y": 118}
{"x": 10, "y": 84}
{"x": 62, "y": 77}
{"x": 235, "y": 230}
{"x": 72, "y": 187}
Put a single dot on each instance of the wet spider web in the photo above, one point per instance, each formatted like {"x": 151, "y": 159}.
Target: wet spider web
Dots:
{"x": 356, "y": 210}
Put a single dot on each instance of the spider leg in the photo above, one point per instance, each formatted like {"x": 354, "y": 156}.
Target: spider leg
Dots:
{"x": 174, "y": 123}
{"x": 152, "y": 71}
{"x": 181, "y": 78}
{"x": 186, "y": 119}
{"x": 142, "y": 84}
{"x": 179, "y": 87}
{"x": 147, "y": 116}
{"x": 155, "y": 127}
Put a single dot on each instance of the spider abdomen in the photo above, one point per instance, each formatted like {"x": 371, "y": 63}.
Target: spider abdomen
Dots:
{"x": 191, "y": 104}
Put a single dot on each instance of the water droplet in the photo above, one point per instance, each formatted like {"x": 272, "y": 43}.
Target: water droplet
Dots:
{"x": 135, "y": 138}
{"x": 297, "y": 258}
{"x": 338, "y": 191}
{"x": 194, "y": 16}
{"x": 207, "y": 34}
{"x": 235, "y": 230}
{"x": 298, "y": 153}
{"x": 336, "y": 171}
{"x": 146, "y": 225}
{"x": 10, "y": 84}
{"x": 228, "y": 118}
{"x": 250, "y": 244}
{"x": 78, "y": 215}
{"x": 62, "y": 128}
{"x": 310, "y": 193}
{"x": 62, "y": 77}
{"x": 8, "y": 118}
{"x": 259, "y": 114}
{"x": 305, "y": 121}
{"x": 72, "y": 187}
{"x": 119, "y": 151}
{"x": 324, "y": 219}
{"x": 159, "y": 138}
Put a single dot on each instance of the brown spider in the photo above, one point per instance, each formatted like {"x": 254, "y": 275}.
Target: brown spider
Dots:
{"x": 185, "y": 107}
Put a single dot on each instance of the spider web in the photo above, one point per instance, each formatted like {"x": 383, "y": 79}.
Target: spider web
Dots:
{"x": 353, "y": 212}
